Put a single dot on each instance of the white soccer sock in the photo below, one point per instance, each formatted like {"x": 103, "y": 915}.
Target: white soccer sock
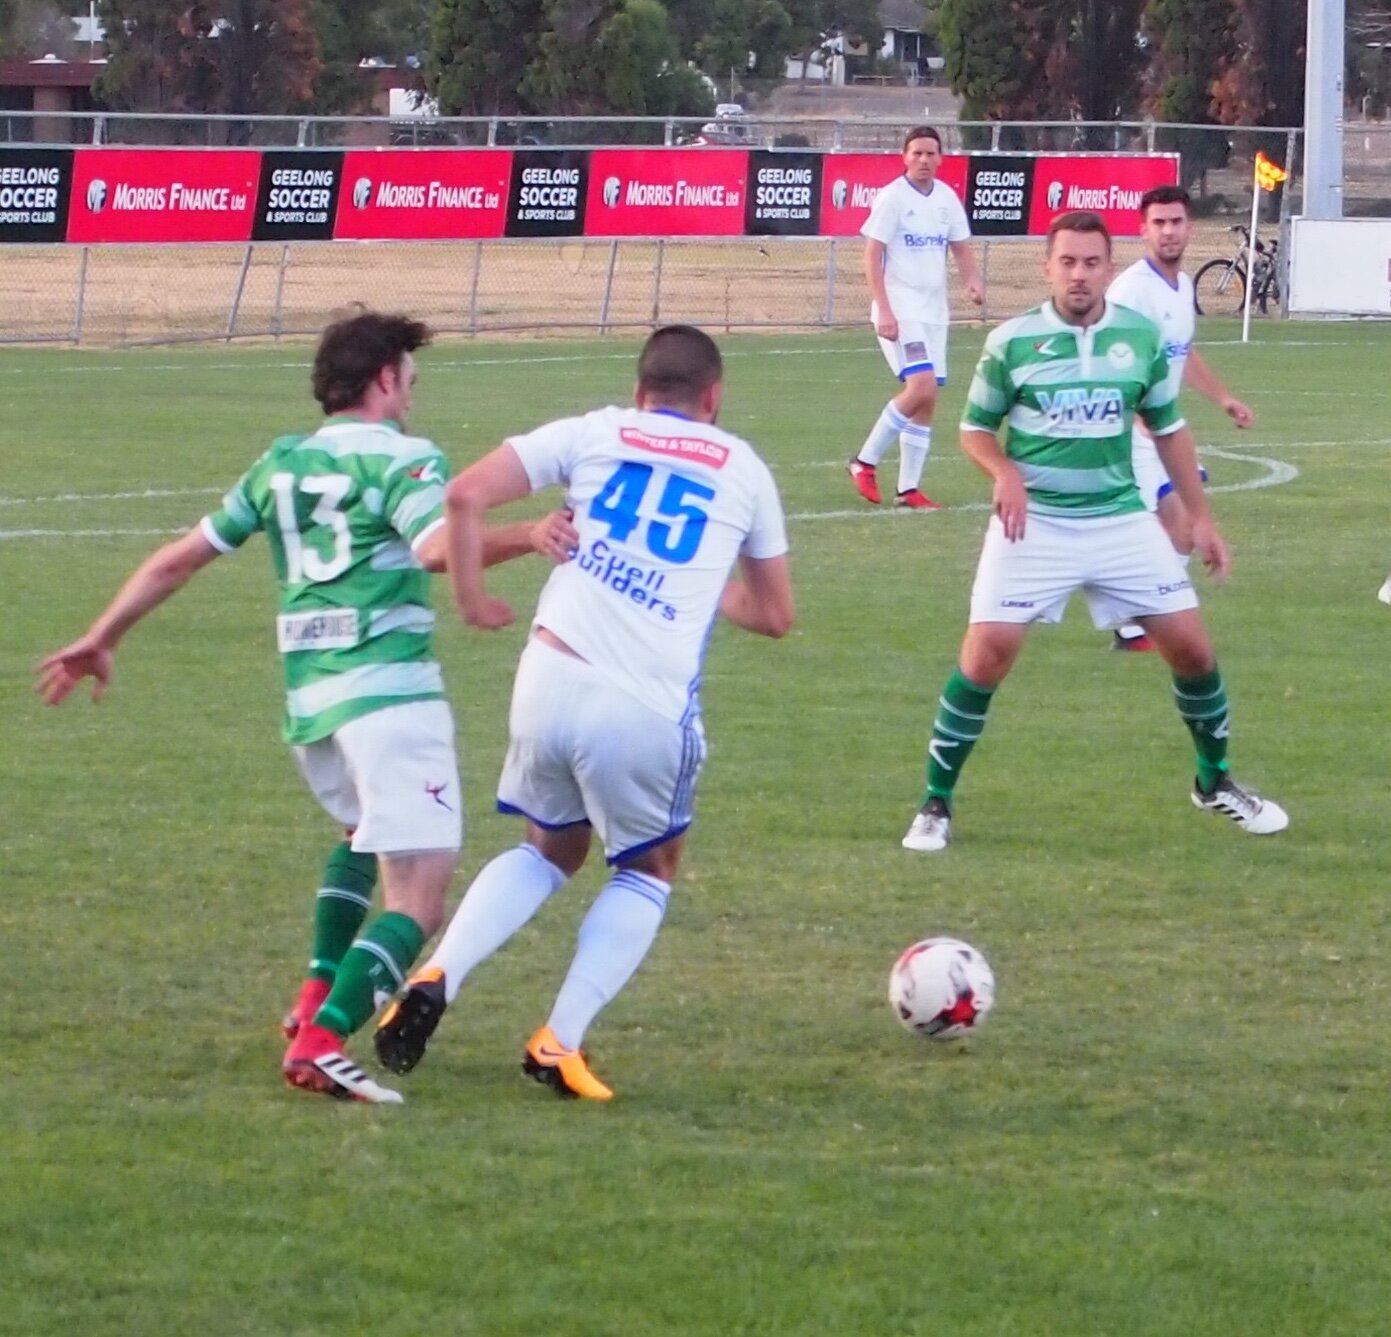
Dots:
{"x": 882, "y": 435}
{"x": 502, "y": 898}
{"x": 617, "y": 933}
{"x": 914, "y": 441}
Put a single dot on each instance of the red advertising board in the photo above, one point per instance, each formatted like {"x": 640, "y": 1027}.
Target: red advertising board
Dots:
{"x": 163, "y": 195}
{"x": 666, "y": 192}
{"x": 423, "y": 194}
{"x": 850, "y": 181}
{"x": 1110, "y": 187}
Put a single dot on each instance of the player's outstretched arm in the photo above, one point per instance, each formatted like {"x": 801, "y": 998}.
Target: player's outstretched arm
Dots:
{"x": 964, "y": 254}
{"x": 760, "y": 600}
{"x": 553, "y": 536}
{"x": 1011, "y": 501}
{"x": 164, "y": 572}
{"x": 492, "y": 481}
{"x": 1179, "y": 456}
{"x": 1208, "y": 383}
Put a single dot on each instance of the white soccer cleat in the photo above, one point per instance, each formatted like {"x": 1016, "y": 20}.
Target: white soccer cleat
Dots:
{"x": 1384, "y": 593}
{"x": 1260, "y": 816}
{"x": 335, "y": 1074}
{"x": 931, "y": 829}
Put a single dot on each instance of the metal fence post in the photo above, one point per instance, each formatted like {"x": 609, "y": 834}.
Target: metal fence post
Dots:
{"x": 81, "y": 296}
{"x": 473, "y": 288}
{"x": 995, "y": 137}
{"x": 277, "y": 323}
{"x": 985, "y": 278}
{"x": 302, "y": 137}
{"x": 608, "y": 288}
{"x": 657, "y": 282}
{"x": 669, "y": 132}
{"x": 829, "y": 312}
{"x": 838, "y": 135}
{"x": 236, "y": 297}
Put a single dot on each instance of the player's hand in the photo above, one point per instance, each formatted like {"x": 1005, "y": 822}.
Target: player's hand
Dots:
{"x": 1238, "y": 412}
{"x": 975, "y": 290}
{"x": 488, "y": 614}
{"x": 60, "y": 673}
{"x": 1212, "y": 548}
{"x": 555, "y": 536}
{"x": 886, "y": 326}
{"x": 1011, "y": 504}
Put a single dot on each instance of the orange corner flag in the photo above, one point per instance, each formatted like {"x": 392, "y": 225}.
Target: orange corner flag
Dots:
{"x": 1269, "y": 173}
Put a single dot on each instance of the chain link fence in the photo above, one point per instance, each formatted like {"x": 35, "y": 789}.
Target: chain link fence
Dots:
{"x": 115, "y": 294}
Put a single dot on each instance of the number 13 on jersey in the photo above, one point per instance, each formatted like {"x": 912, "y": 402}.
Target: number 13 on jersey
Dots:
{"x": 675, "y": 533}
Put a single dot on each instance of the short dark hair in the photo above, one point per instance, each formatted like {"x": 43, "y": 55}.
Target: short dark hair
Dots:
{"x": 922, "y": 132}
{"x": 355, "y": 350}
{"x": 1166, "y": 195}
{"x": 679, "y": 363}
{"x": 1079, "y": 220}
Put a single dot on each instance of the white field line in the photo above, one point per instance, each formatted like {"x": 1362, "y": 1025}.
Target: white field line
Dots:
{"x": 1275, "y": 472}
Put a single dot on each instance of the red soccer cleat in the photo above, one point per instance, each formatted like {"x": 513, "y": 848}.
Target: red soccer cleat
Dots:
{"x": 1135, "y": 645}
{"x": 316, "y": 1062}
{"x": 915, "y": 500}
{"x": 866, "y": 484}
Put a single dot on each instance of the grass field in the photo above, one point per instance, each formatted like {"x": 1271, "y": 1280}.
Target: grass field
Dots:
{"x": 1176, "y": 1121}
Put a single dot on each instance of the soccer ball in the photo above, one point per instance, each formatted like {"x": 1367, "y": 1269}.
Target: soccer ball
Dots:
{"x": 941, "y": 988}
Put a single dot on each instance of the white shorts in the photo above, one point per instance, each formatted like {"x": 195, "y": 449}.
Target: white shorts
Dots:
{"x": 1150, "y": 475}
{"x": 918, "y": 348}
{"x": 1124, "y": 564}
{"x": 393, "y": 776}
{"x": 584, "y": 750}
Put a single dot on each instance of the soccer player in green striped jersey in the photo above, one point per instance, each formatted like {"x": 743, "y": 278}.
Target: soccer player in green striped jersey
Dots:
{"x": 354, "y": 516}
{"x": 1066, "y": 382}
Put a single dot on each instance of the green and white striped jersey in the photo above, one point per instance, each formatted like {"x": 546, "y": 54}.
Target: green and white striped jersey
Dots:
{"x": 343, "y": 510}
{"x": 1069, "y": 397}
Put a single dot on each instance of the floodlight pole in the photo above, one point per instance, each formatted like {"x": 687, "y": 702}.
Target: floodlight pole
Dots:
{"x": 1323, "y": 109}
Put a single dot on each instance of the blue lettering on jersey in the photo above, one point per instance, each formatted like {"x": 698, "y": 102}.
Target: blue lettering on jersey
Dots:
{"x": 916, "y": 240}
{"x": 643, "y": 585}
{"x": 1174, "y": 349}
{"x": 1075, "y": 407}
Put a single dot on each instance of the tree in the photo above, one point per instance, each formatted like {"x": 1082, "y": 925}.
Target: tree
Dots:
{"x": 1262, "y": 79}
{"x": 996, "y": 57}
{"x": 36, "y": 28}
{"x": 479, "y": 52}
{"x": 351, "y": 31}
{"x": 1191, "y": 40}
{"x": 239, "y": 56}
{"x": 612, "y": 58}
{"x": 1099, "y": 61}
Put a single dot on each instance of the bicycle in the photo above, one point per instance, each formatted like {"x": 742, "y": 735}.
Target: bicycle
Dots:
{"x": 1219, "y": 287}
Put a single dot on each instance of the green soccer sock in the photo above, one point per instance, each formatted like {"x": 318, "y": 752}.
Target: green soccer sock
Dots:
{"x": 1202, "y": 701}
{"x": 374, "y": 968}
{"x": 959, "y": 723}
{"x": 342, "y": 904}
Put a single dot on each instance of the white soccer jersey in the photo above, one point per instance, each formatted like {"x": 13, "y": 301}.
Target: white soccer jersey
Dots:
{"x": 664, "y": 507}
{"x": 916, "y": 228}
{"x": 1144, "y": 289}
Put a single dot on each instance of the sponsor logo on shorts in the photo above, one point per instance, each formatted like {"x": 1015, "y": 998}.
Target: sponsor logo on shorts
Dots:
{"x": 916, "y": 351}
{"x": 1018, "y": 603}
{"x": 436, "y": 792}
{"x": 1174, "y": 588}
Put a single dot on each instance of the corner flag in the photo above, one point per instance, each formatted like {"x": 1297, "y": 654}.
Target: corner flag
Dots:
{"x": 1269, "y": 173}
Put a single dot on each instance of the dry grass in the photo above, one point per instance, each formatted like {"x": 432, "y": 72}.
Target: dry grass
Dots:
{"x": 134, "y": 294}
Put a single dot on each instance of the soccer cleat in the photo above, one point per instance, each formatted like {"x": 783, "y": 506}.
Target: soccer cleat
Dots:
{"x": 311, "y": 996}
{"x": 931, "y": 829}
{"x": 316, "y": 1062}
{"x": 1140, "y": 644}
{"x": 866, "y": 484}
{"x": 409, "y": 1022}
{"x": 914, "y": 499}
{"x": 1384, "y": 593}
{"x": 1260, "y": 816}
{"x": 565, "y": 1071}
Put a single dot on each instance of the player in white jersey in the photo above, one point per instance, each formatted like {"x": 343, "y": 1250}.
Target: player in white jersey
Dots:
{"x": 1157, "y": 287}
{"x": 605, "y": 731}
{"x": 915, "y": 221}
{"x": 354, "y": 515}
